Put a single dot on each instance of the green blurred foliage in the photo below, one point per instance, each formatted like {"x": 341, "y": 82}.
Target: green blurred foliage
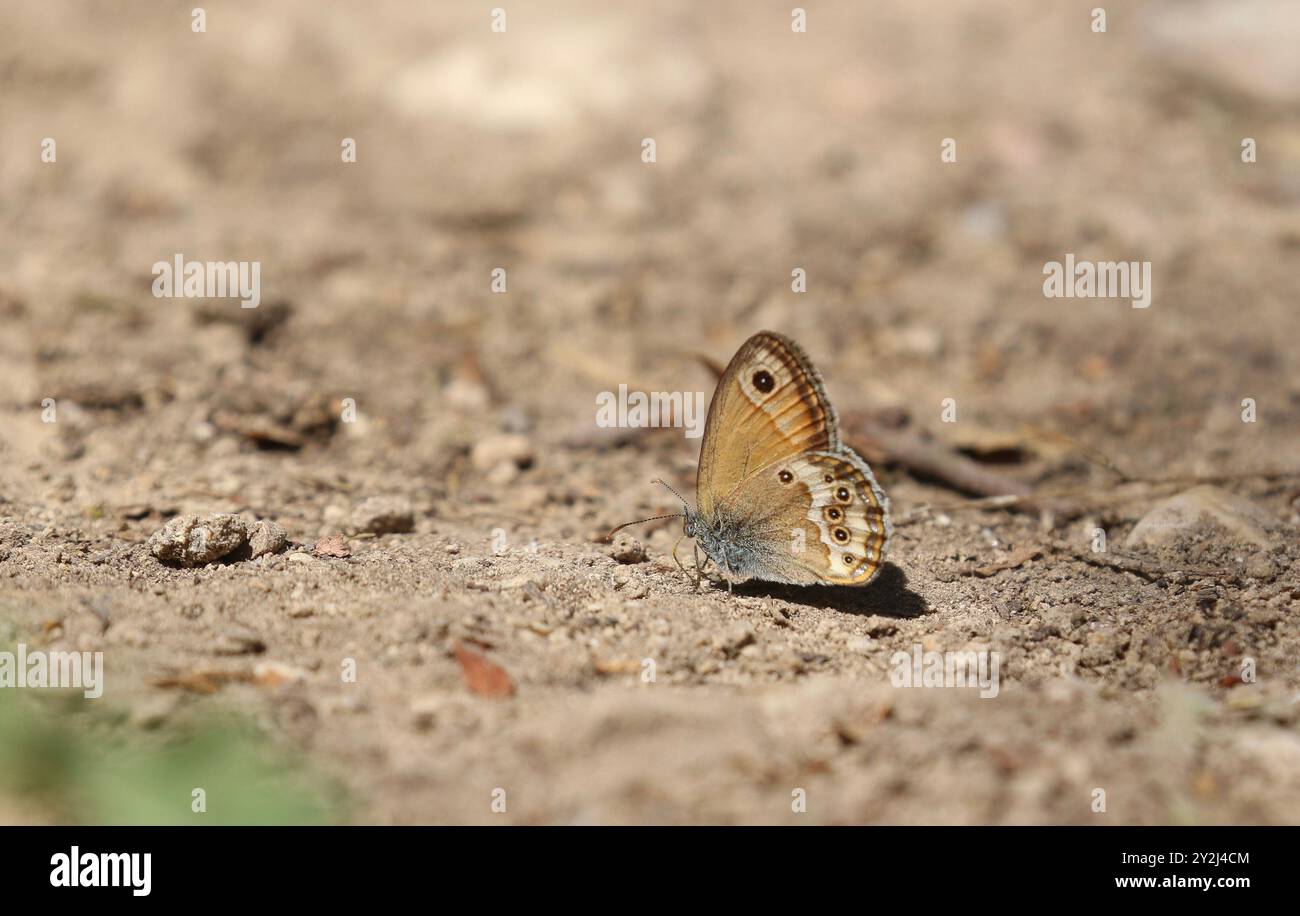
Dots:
{"x": 76, "y": 762}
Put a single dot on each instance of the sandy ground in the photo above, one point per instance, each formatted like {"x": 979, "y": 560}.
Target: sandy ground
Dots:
{"x": 1170, "y": 685}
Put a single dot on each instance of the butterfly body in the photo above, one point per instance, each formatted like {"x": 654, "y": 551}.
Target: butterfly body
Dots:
{"x": 727, "y": 542}
{"x": 780, "y": 497}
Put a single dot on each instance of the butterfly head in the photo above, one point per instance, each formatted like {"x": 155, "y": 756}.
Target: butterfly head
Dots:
{"x": 691, "y": 522}
{"x": 696, "y": 526}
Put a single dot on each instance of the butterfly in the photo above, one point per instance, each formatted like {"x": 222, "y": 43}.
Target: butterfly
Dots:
{"x": 779, "y": 496}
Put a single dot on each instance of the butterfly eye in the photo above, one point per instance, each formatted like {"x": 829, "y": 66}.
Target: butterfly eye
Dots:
{"x": 841, "y": 535}
{"x": 763, "y": 381}
{"x": 785, "y": 477}
{"x": 842, "y": 494}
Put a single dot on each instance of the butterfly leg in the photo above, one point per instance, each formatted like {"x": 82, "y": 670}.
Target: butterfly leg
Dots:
{"x": 679, "y": 562}
{"x": 702, "y": 570}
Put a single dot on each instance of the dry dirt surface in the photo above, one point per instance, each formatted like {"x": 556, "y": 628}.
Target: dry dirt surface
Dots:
{"x": 442, "y": 636}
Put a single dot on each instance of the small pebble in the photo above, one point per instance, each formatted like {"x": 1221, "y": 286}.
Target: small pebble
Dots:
{"x": 266, "y": 538}
{"x": 626, "y": 549}
{"x": 193, "y": 540}
{"x": 382, "y": 515}
{"x": 492, "y": 451}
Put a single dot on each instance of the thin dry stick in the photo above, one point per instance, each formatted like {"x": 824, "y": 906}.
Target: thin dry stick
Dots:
{"x": 923, "y": 455}
{"x": 1091, "y": 498}
{"x": 1091, "y": 453}
{"x": 1017, "y": 559}
{"x": 929, "y": 458}
{"x": 1101, "y": 459}
{"x": 1150, "y": 571}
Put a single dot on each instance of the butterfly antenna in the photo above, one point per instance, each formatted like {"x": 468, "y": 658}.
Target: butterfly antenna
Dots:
{"x": 672, "y": 491}
{"x": 653, "y": 518}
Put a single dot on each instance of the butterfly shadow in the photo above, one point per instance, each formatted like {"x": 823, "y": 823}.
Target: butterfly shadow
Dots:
{"x": 887, "y": 596}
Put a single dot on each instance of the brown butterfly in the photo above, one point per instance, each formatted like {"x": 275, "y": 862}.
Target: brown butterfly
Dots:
{"x": 779, "y": 496}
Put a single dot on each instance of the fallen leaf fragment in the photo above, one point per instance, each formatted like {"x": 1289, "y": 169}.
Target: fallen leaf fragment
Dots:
{"x": 617, "y": 666}
{"x": 273, "y": 674}
{"x": 210, "y": 680}
{"x": 485, "y": 678}
{"x": 206, "y": 681}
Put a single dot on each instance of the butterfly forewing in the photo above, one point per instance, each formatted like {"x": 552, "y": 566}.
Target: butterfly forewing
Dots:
{"x": 769, "y": 406}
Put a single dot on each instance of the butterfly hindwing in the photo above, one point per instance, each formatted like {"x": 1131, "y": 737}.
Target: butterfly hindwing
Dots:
{"x": 815, "y": 518}
{"x": 850, "y": 514}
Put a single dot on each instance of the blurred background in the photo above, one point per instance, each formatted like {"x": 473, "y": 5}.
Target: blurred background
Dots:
{"x": 522, "y": 150}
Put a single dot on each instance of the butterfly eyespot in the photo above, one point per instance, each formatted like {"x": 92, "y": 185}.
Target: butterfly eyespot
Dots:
{"x": 841, "y": 534}
{"x": 785, "y": 477}
{"x": 829, "y": 478}
{"x": 834, "y": 514}
{"x": 849, "y": 559}
{"x": 763, "y": 381}
{"x": 843, "y": 494}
